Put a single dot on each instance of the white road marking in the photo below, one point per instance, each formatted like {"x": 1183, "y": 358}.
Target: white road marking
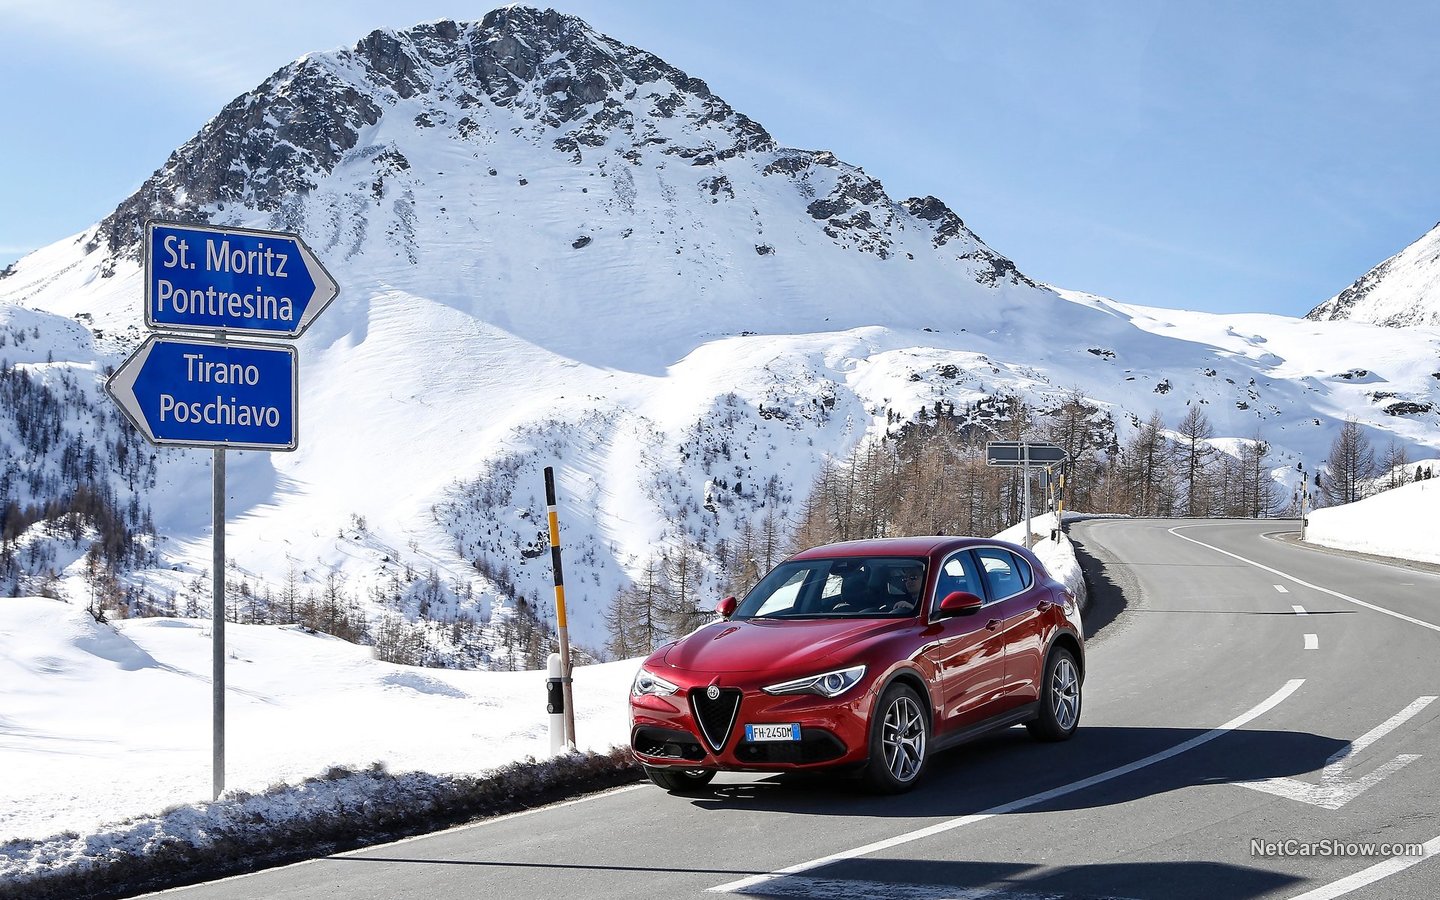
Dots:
{"x": 1336, "y": 788}
{"x": 1282, "y": 589}
{"x": 1312, "y": 642}
{"x": 1315, "y": 587}
{"x": 1300, "y": 611}
{"x": 1371, "y": 875}
{"x": 1274, "y": 700}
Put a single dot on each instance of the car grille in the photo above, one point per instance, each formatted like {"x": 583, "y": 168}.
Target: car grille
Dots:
{"x": 715, "y": 717}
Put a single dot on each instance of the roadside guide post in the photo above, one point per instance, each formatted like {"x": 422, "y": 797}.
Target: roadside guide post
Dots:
{"x": 187, "y": 391}
{"x": 555, "y": 703}
{"x": 1059, "y": 507}
{"x": 566, "y": 673}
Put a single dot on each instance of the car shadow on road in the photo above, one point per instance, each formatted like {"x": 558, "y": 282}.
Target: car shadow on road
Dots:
{"x": 929, "y": 878}
{"x": 1009, "y": 766}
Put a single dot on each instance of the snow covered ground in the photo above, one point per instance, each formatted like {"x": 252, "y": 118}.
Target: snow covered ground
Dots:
{"x": 102, "y": 723}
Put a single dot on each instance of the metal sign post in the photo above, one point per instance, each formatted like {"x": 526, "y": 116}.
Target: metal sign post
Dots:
{"x": 1025, "y": 482}
{"x": 1022, "y": 454}
{"x": 217, "y": 629}
{"x": 192, "y": 392}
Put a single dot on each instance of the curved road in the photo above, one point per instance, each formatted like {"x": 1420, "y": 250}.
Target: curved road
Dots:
{"x": 1255, "y": 713}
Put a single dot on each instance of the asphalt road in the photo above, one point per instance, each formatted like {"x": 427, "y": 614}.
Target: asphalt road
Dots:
{"x": 1244, "y": 695}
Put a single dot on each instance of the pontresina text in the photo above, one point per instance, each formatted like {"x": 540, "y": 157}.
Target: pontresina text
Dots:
{"x": 210, "y": 302}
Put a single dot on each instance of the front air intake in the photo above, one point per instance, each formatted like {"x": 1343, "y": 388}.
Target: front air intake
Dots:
{"x": 715, "y": 717}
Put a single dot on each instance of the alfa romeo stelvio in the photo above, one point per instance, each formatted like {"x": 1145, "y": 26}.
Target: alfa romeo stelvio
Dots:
{"x": 865, "y": 655}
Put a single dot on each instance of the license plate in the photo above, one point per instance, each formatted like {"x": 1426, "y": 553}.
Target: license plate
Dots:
{"x": 789, "y": 732}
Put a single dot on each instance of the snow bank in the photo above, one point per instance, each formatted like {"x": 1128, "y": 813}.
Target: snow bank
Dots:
{"x": 1398, "y": 523}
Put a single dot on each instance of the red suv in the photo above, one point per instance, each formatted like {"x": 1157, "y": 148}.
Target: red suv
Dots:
{"x": 870, "y": 654}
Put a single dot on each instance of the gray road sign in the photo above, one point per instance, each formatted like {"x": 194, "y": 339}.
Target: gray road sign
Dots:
{"x": 1019, "y": 453}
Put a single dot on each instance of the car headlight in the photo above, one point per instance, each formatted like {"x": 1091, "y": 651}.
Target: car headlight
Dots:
{"x": 828, "y": 684}
{"x": 647, "y": 683}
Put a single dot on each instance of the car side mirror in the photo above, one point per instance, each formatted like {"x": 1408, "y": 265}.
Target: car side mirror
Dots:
{"x": 960, "y": 603}
{"x": 726, "y": 607}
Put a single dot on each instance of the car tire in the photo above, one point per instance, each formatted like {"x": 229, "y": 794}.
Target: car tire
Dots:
{"x": 899, "y": 741}
{"x": 680, "y": 781}
{"x": 1060, "y": 697}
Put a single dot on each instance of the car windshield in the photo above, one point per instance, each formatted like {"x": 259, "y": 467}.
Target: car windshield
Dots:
{"x": 843, "y": 588}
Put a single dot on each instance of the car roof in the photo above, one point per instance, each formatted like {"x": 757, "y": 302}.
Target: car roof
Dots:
{"x": 898, "y": 546}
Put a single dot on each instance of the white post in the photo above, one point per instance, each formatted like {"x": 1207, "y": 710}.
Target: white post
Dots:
{"x": 555, "y": 705}
{"x": 1303, "y": 491}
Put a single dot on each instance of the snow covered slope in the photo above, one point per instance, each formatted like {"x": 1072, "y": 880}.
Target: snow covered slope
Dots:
{"x": 1403, "y": 290}
{"x": 555, "y": 249}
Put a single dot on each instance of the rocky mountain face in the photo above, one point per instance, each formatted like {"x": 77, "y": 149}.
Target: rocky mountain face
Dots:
{"x": 1403, "y": 290}
{"x": 577, "y": 94}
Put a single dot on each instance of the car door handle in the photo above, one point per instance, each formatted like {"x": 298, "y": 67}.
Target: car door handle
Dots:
{"x": 1044, "y": 606}
{"x": 992, "y": 625}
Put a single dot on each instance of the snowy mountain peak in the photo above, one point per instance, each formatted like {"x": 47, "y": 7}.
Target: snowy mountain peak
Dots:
{"x": 1403, "y": 290}
{"x": 549, "y": 71}
{"x": 534, "y": 154}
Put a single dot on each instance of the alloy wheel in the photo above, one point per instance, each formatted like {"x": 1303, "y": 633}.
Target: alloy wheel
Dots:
{"x": 902, "y": 738}
{"x": 1065, "y": 693}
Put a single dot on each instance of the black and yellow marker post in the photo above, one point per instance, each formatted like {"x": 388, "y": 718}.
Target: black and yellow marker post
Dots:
{"x": 565, "y": 672}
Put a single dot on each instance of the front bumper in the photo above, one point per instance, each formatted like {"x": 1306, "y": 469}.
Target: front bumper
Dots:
{"x": 685, "y": 730}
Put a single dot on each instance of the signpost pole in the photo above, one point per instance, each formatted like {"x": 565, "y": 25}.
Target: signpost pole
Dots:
{"x": 1025, "y": 469}
{"x": 217, "y": 649}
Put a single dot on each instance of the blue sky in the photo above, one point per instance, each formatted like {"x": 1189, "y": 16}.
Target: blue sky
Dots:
{"x": 1224, "y": 156}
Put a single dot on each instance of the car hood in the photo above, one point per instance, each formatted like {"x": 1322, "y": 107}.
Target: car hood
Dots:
{"x": 767, "y": 644}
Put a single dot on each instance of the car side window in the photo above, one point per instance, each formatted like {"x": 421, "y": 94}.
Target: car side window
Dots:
{"x": 957, "y": 573}
{"x": 1005, "y": 573}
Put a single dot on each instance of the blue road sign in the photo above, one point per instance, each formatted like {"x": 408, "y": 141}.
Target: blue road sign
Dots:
{"x": 199, "y": 278}
{"x": 197, "y": 393}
